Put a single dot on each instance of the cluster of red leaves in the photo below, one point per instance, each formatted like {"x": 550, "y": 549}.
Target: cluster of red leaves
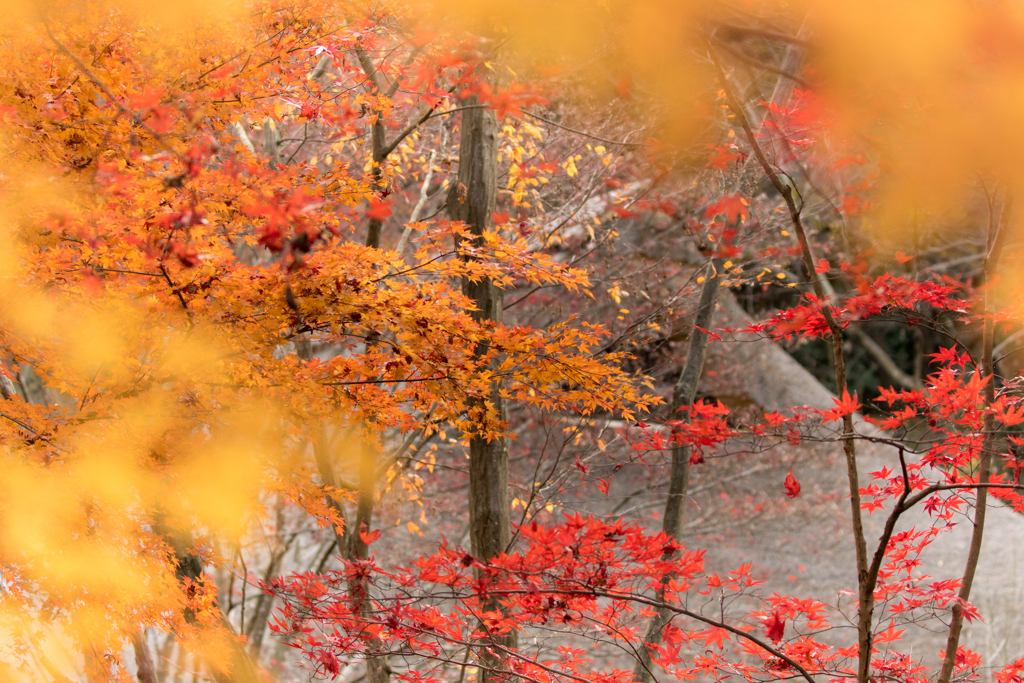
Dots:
{"x": 952, "y": 404}
{"x": 582, "y": 575}
{"x": 1012, "y": 673}
{"x": 568, "y": 579}
{"x": 507, "y": 101}
{"x": 885, "y": 294}
{"x": 942, "y": 478}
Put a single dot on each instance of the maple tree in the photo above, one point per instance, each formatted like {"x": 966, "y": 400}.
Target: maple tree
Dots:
{"x": 193, "y": 266}
{"x": 292, "y": 279}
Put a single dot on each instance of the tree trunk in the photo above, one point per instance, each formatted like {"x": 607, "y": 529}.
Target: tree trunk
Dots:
{"x": 378, "y": 140}
{"x": 377, "y": 668}
{"x": 472, "y": 200}
{"x": 679, "y": 477}
{"x": 188, "y": 566}
{"x": 996, "y": 239}
{"x": 349, "y": 539}
{"x": 145, "y": 670}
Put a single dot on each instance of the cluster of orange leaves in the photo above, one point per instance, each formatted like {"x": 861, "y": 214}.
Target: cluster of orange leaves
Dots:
{"x": 158, "y": 273}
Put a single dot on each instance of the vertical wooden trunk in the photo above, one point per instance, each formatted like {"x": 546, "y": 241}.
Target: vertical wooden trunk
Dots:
{"x": 350, "y": 543}
{"x": 145, "y": 669}
{"x": 377, "y": 668}
{"x": 472, "y": 200}
{"x": 683, "y": 395}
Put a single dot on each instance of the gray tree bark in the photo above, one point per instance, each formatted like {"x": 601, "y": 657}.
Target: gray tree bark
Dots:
{"x": 349, "y": 540}
{"x": 472, "y": 200}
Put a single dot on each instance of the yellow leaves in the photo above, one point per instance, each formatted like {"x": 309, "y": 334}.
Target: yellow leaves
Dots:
{"x": 220, "y": 478}
{"x": 98, "y": 340}
{"x": 525, "y": 505}
{"x": 569, "y": 165}
{"x": 18, "y": 14}
{"x": 183, "y": 17}
{"x": 192, "y": 356}
{"x": 430, "y": 457}
{"x": 54, "y": 650}
{"x": 599, "y": 150}
{"x": 521, "y": 180}
{"x": 78, "y": 528}
{"x": 531, "y": 130}
{"x": 38, "y": 236}
{"x": 418, "y": 226}
{"x": 90, "y": 338}
{"x": 616, "y": 293}
{"x": 73, "y": 539}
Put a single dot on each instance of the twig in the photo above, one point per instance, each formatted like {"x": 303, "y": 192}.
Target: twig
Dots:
{"x": 415, "y": 215}
{"x": 177, "y": 291}
{"x": 764, "y": 33}
{"x": 761, "y": 65}
{"x": 580, "y": 132}
{"x": 384, "y": 381}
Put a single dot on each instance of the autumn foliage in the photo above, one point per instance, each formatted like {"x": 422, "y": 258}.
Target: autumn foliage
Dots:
{"x": 235, "y": 305}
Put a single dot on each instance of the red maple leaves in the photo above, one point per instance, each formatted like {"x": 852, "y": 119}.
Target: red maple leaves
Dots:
{"x": 722, "y": 156}
{"x": 791, "y": 485}
{"x": 734, "y": 207}
{"x": 775, "y": 625}
{"x": 509, "y": 100}
{"x": 886, "y": 293}
{"x": 847, "y": 405}
{"x": 566, "y": 577}
{"x": 379, "y": 210}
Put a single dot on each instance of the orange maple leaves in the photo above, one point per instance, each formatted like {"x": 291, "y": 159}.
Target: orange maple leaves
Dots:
{"x": 201, "y": 229}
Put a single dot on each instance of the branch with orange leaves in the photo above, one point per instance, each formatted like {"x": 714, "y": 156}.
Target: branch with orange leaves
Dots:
{"x": 87, "y": 72}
